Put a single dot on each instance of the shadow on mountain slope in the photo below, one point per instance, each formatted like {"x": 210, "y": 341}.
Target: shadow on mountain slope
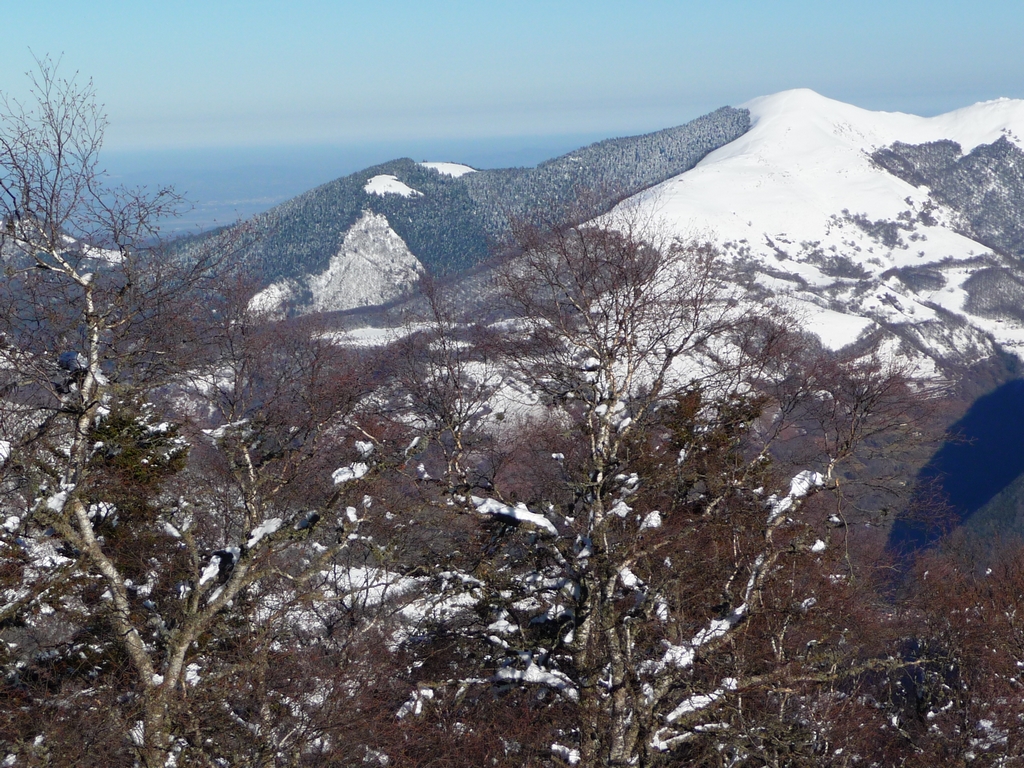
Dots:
{"x": 977, "y": 466}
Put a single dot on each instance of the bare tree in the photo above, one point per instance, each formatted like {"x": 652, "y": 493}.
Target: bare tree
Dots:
{"x": 73, "y": 249}
{"x": 171, "y": 459}
{"x": 444, "y": 384}
{"x": 630, "y": 590}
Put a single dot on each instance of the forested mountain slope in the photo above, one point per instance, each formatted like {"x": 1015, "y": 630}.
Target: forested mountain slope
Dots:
{"x": 449, "y": 218}
{"x": 868, "y": 223}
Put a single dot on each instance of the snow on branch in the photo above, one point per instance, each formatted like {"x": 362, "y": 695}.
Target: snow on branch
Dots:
{"x": 799, "y": 487}
{"x": 701, "y": 701}
{"x": 519, "y": 513}
{"x": 266, "y": 528}
{"x": 538, "y": 675}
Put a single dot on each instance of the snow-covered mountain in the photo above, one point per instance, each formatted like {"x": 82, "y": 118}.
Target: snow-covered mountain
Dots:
{"x": 808, "y": 204}
{"x": 864, "y": 222}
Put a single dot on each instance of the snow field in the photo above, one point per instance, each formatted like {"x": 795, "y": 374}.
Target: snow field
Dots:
{"x": 786, "y": 196}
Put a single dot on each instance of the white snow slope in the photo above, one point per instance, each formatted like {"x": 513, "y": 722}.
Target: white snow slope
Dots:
{"x": 373, "y": 266}
{"x": 455, "y": 170}
{"x": 386, "y": 184}
{"x": 780, "y": 200}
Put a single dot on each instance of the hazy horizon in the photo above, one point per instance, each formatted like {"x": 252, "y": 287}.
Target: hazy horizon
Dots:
{"x": 251, "y": 102}
{"x": 267, "y": 73}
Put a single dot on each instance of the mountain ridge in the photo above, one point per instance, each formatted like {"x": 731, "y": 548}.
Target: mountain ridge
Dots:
{"x": 454, "y": 222}
{"x": 806, "y": 212}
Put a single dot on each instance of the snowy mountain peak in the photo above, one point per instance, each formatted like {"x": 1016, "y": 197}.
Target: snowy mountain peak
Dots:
{"x": 802, "y": 110}
{"x": 842, "y": 209}
{"x": 866, "y": 223}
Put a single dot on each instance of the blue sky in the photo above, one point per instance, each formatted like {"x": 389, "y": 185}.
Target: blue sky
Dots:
{"x": 243, "y": 104}
{"x": 262, "y": 72}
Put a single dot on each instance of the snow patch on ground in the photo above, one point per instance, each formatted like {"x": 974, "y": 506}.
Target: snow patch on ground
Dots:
{"x": 835, "y": 329}
{"x": 455, "y": 170}
{"x": 386, "y": 184}
{"x": 351, "y": 472}
{"x": 571, "y": 756}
